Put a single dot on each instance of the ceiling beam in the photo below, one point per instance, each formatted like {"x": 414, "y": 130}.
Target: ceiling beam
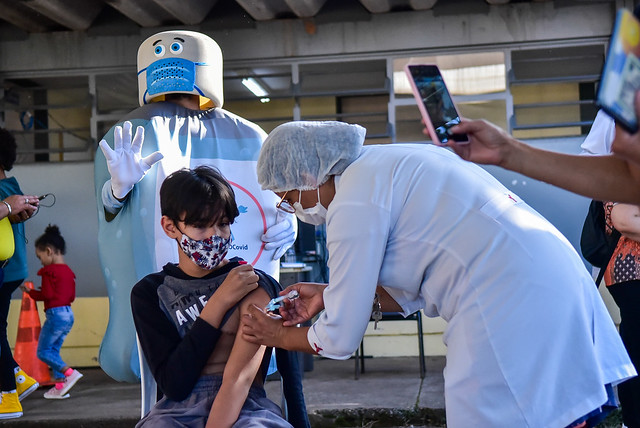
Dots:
{"x": 264, "y": 10}
{"x": 25, "y": 18}
{"x": 73, "y": 14}
{"x": 189, "y": 12}
{"x": 384, "y": 6}
{"x": 145, "y": 13}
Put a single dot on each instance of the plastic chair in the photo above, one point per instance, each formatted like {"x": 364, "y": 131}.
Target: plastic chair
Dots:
{"x": 148, "y": 386}
{"x": 395, "y": 316}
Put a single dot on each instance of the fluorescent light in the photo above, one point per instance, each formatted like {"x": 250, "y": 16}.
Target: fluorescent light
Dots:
{"x": 253, "y": 85}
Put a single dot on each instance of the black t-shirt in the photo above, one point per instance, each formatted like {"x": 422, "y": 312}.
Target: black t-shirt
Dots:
{"x": 176, "y": 342}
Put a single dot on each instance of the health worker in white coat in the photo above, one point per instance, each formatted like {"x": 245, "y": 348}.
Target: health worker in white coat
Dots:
{"x": 529, "y": 340}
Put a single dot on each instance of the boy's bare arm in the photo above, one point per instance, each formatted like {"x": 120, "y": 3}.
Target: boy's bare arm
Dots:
{"x": 240, "y": 371}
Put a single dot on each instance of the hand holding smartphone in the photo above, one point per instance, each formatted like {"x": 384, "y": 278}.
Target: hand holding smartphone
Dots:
{"x": 434, "y": 102}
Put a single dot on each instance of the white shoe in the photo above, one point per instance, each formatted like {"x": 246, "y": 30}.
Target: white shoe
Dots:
{"x": 55, "y": 394}
{"x": 69, "y": 381}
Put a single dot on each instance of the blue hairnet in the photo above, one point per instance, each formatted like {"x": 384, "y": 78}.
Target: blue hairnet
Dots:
{"x": 302, "y": 155}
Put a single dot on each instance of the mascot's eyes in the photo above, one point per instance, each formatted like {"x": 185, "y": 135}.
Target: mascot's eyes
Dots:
{"x": 158, "y": 50}
{"x": 176, "y": 47}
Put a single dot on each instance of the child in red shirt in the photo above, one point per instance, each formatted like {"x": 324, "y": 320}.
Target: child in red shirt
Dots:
{"x": 57, "y": 292}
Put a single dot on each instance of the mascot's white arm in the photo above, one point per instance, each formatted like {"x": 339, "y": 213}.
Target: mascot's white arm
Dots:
{"x": 281, "y": 235}
{"x": 125, "y": 162}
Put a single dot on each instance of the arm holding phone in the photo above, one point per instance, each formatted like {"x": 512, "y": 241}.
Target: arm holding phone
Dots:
{"x": 610, "y": 177}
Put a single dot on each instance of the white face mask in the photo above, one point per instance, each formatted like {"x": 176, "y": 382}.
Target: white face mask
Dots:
{"x": 315, "y": 215}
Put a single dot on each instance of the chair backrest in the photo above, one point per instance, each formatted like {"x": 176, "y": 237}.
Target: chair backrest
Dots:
{"x": 148, "y": 386}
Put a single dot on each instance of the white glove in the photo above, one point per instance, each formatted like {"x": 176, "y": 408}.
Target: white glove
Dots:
{"x": 280, "y": 236}
{"x": 125, "y": 162}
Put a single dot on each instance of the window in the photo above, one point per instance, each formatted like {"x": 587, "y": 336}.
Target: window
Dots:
{"x": 554, "y": 90}
{"x": 477, "y": 83}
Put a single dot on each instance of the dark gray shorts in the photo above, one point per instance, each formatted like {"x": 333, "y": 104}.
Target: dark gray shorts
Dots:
{"x": 192, "y": 412}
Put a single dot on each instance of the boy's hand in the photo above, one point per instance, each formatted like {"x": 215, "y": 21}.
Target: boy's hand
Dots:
{"x": 24, "y": 288}
{"x": 239, "y": 282}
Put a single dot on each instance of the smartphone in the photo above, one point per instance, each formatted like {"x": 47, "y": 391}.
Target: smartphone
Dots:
{"x": 435, "y": 103}
{"x": 620, "y": 79}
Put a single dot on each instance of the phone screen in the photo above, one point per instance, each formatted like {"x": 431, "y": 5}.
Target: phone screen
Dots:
{"x": 430, "y": 88}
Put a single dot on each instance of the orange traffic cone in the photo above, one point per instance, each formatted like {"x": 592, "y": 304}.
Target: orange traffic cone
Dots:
{"x": 25, "y": 352}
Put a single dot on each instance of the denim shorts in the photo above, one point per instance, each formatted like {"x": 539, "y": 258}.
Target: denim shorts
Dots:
{"x": 193, "y": 411}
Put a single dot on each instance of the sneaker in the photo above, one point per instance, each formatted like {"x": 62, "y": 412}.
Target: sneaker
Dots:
{"x": 69, "y": 381}
{"x": 10, "y": 407}
{"x": 25, "y": 384}
{"x": 55, "y": 394}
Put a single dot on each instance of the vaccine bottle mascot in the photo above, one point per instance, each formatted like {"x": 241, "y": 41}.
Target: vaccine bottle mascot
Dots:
{"x": 167, "y": 133}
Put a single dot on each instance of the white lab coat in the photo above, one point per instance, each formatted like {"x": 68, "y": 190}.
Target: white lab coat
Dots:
{"x": 530, "y": 343}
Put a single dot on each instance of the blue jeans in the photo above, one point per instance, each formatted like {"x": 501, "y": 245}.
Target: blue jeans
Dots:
{"x": 57, "y": 325}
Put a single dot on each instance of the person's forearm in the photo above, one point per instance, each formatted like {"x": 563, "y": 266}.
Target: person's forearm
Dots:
{"x": 5, "y": 209}
{"x": 626, "y": 219}
{"x": 295, "y": 339}
{"x": 213, "y": 312}
{"x": 597, "y": 177}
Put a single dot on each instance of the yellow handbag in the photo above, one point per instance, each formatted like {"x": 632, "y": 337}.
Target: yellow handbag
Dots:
{"x": 7, "y": 244}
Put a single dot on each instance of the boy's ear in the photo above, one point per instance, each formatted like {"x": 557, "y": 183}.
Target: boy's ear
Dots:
{"x": 169, "y": 227}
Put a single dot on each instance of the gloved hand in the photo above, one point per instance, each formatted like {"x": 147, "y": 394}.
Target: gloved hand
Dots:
{"x": 125, "y": 162}
{"x": 281, "y": 235}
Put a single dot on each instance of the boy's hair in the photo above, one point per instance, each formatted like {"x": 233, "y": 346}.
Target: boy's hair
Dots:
{"x": 51, "y": 238}
{"x": 8, "y": 149}
{"x": 199, "y": 197}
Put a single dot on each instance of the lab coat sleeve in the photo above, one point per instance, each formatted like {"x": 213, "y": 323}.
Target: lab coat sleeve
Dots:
{"x": 356, "y": 240}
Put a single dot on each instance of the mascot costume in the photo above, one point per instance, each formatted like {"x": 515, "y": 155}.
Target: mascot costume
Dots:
{"x": 129, "y": 172}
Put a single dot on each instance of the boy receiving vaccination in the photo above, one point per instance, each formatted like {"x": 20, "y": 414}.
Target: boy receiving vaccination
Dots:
{"x": 187, "y": 317}
{"x": 57, "y": 292}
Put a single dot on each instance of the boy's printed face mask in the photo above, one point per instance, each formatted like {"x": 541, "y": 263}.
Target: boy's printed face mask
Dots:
{"x": 207, "y": 253}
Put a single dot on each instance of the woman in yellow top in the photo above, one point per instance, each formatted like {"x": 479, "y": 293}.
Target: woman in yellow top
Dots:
{"x": 13, "y": 209}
